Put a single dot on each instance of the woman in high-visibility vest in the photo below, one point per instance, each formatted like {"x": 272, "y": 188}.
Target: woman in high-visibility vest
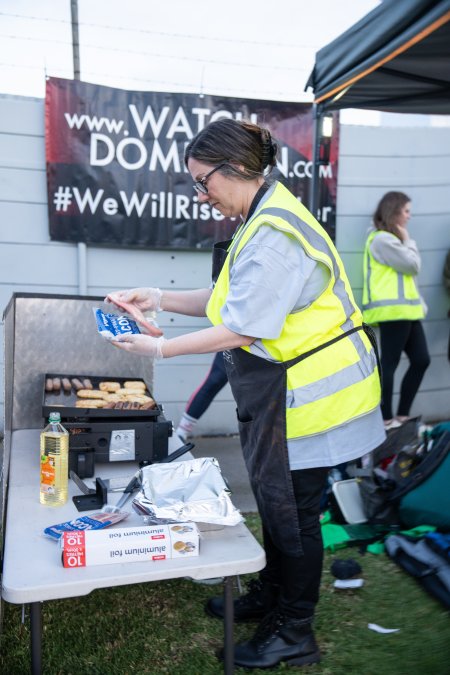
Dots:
{"x": 391, "y": 299}
{"x": 301, "y": 368}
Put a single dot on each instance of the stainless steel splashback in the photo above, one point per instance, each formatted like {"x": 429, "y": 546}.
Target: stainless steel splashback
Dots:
{"x": 56, "y": 334}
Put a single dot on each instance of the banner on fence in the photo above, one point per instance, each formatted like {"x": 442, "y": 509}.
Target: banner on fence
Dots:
{"x": 115, "y": 170}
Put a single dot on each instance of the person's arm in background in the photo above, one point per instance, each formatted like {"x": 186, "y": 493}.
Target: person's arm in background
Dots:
{"x": 401, "y": 254}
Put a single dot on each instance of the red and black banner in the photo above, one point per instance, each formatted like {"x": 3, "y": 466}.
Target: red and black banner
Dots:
{"x": 115, "y": 170}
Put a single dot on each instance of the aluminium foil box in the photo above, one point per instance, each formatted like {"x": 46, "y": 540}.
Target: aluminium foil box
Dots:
{"x": 82, "y": 548}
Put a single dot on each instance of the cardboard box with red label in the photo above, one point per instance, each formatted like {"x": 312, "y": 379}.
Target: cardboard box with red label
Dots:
{"x": 81, "y": 548}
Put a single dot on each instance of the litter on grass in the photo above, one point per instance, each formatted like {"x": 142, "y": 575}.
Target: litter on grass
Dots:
{"x": 380, "y": 629}
{"x": 348, "y": 583}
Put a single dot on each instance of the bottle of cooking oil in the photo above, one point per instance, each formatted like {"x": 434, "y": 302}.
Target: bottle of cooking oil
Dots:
{"x": 54, "y": 462}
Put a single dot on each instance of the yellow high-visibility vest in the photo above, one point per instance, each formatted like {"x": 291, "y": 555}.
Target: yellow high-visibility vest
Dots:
{"x": 340, "y": 382}
{"x": 388, "y": 295}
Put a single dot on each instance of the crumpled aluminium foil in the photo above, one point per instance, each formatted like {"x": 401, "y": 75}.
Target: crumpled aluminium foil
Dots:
{"x": 189, "y": 490}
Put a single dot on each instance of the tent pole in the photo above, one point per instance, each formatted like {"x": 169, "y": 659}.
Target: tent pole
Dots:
{"x": 315, "y": 159}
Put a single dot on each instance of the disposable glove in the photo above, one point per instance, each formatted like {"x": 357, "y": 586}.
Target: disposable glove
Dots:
{"x": 142, "y": 298}
{"x": 142, "y": 345}
{"x": 136, "y": 301}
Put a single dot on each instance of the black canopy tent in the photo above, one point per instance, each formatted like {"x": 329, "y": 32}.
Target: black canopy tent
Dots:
{"x": 395, "y": 59}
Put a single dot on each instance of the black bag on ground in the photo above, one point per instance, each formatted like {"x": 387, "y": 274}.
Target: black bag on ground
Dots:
{"x": 424, "y": 496}
{"x": 415, "y": 490}
{"x": 376, "y": 484}
{"x": 426, "y": 559}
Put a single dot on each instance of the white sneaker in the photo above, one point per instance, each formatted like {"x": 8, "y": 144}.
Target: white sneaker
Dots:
{"x": 392, "y": 424}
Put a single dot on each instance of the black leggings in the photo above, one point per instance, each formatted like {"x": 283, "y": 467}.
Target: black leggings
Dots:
{"x": 397, "y": 337}
{"x": 215, "y": 380}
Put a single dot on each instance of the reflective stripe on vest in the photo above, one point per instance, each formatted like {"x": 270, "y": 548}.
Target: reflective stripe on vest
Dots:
{"x": 333, "y": 385}
{"x": 388, "y": 295}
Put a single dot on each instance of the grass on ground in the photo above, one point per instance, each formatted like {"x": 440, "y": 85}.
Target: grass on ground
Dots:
{"x": 161, "y": 628}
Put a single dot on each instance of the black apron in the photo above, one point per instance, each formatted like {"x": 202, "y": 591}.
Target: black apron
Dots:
{"x": 259, "y": 389}
{"x": 220, "y": 252}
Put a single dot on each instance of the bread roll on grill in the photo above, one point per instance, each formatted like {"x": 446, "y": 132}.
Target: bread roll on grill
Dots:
{"x": 140, "y": 398}
{"x": 134, "y": 384}
{"x": 92, "y": 393}
{"x": 90, "y": 403}
{"x": 109, "y": 386}
{"x": 115, "y": 397}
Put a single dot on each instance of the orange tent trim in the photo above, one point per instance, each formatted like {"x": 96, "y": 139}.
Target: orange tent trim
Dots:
{"x": 417, "y": 38}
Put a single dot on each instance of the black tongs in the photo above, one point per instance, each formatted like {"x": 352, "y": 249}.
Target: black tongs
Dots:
{"x": 93, "y": 498}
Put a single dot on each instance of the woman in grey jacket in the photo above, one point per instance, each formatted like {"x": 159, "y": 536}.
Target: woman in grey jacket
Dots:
{"x": 391, "y": 299}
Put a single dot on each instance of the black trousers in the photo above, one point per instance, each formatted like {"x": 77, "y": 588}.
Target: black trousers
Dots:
{"x": 397, "y": 337}
{"x": 299, "y": 577}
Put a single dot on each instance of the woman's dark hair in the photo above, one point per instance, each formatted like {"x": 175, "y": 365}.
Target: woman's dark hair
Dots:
{"x": 388, "y": 210}
{"x": 237, "y": 144}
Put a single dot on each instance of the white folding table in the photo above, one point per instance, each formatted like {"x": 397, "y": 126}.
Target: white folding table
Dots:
{"x": 32, "y": 568}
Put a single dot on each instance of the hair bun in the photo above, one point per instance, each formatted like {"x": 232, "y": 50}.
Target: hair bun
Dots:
{"x": 269, "y": 149}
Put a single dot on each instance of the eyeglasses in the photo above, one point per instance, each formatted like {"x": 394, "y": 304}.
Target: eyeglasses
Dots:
{"x": 200, "y": 185}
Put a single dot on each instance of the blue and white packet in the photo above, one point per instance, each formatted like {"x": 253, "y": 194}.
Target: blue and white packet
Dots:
{"x": 96, "y": 521}
{"x": 110, "y": 326}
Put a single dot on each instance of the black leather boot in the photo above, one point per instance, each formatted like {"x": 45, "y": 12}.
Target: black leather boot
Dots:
{"x": 279, "y": 638}
{"x": 259, "y": 601}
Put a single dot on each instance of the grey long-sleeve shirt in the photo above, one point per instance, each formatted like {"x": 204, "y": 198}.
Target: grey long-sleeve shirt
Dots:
{"x": 403, "y": 257}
